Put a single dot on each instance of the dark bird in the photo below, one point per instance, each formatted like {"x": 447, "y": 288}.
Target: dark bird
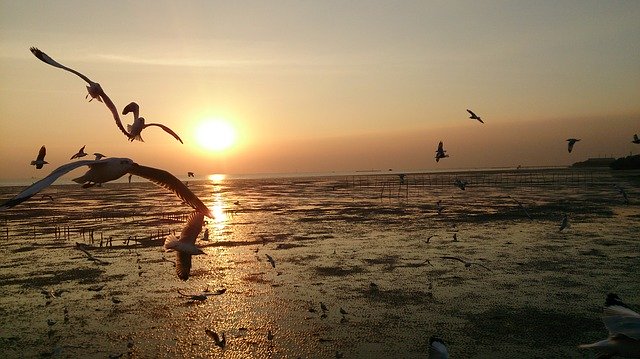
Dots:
{"x": 190, "y": 174}
{"x": 467, "y": 264}
{"x": 135, "y": 129}
{"x": 271, "y": 260}
{"x": 565, "y": 223}
{"x": 623, "y": 325}
{"x": 460, "y": 184}
{"x": 437, "y": 348}
{"x": 440, "y": 152}
{"x": 185, "y": 245}
{"x": 80, "y": 153}
{"x": 39, "y": 162}
{"x": 110, "y": 169}
{"x": 94, "y": 88}
{"x": 572, "y": 141}
{"x": 474, "y": 116}
{"x": 636, "y": 140}
{"x": 220, "y": 341}
{"x": 98, "y": 155}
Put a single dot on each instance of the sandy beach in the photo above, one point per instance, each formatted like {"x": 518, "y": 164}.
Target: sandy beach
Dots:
{"x": 358, "y": 243}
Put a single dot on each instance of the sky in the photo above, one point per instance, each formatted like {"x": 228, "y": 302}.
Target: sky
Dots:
{"x": 322, "y": 86}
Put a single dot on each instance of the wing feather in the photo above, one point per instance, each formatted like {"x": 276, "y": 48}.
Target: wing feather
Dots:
{"x": 183, "y": 265}
{"x": 192, "y": 229}
{"x": 165, "y": 179}
{"x": 166, "y": 129}
{"x": 621, "y": 320}
{"x": 47, "y": 59}
{"x": 41, "y": 153}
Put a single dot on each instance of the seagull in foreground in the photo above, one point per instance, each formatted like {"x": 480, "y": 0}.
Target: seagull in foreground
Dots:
{"x": 565, "y": 223}
{"x": 622, "y": 192}
{"x": 110, "y": 169}
{"x": 623, "y": 325}
{"x": 636, "y": 140}
{"x": 474, "y": 116}
{"x": 94, "y": 88}
{"x": 185, "y": 245}
{"x": 80, "y": 153}
{"x": 99, "y": 155}
{"x": 572, "y": 141}
{"x": 460, "y": 184}
{"x": 467, "y": 264}
{"x": 39, "y": 161}
{"x": 135, "y": 129}
{"x": 437, "y": 349}
{"x": 440, "y": 152}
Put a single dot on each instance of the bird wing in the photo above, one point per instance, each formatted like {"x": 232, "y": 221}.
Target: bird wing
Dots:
{"x": 473, "y": 115}
{"x": 440, "y": 147}
{"x": 41, "y": 153}
{"x": 621, "y": 320}
{"x": 183, "y": 265}
{"x": 44, "y": 183}
{"x": 479, "y": 119}
{"x": 46, "y": 59}
{"x": 114, "y": 111}
{"x": 167, "y": 180}
{"x": 166, "y": 129}
{"x": 132, "y": 107}
{"x": 192, "y": 229}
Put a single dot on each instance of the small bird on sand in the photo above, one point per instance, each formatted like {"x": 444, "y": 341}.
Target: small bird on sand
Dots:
{"x": 135, "y": 129}
{"x": 623, "y": 325}
{"x": 39, "y": 161}
{"x": 437, "y": 348}
{"x": 636, "y": 140}
{"x": 565, "y": 223}
{"x": 80, "y": 153}
{"x": 473, "y": 116}
{"x": 467, "y": 264}
{"x": 572, "y": 141}
{"x": 220, "y": 341}
{"x": 460, "y": 184}
{"x": 440, "y": 152}
{"x": 271, "y": 260}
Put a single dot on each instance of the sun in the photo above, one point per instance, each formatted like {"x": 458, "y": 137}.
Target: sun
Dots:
{"x": 215, "y": 134}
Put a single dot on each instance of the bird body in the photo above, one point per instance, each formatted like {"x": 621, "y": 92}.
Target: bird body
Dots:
{"x": 39, "y": 161}
{"x": 440, "y": 152}
{"x": 185, "y": 245}
{"x": 80, "y": 153}
{"x": 473, "y": 116}
{"x": 98, "y": 155}
{"x": 571, "y": 142}
{"x": 636, "y": 140}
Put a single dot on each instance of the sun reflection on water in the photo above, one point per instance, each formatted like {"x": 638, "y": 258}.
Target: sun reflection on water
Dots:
{"x": 218, "y": 204}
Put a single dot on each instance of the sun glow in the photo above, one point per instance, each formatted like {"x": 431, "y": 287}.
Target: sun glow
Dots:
{"x": 215, "y": 134}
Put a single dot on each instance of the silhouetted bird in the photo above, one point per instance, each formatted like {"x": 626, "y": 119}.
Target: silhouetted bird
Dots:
{"x": 440, "y": 152}
{"x": 39, "y": 162}
{"x": 474, "y": 116}
{"x": 636, "y": 140}
{"x": 572, "y": 141}
{"x": 135, "y": 129}
{"x": 80, "y": 153}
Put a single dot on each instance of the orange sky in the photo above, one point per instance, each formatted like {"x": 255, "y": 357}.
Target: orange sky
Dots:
{"x": 323, "y": 86}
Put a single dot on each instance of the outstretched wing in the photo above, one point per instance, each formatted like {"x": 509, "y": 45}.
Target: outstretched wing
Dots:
{"x": 167, "y": 180}
{"x": 621, "y": 320}
{"x": 192, "y": 229}
{"x": 183, "y": 265}
{"x": 473, "y": 115}
{"x": 132, "y": 107}
{"x": 41, "y": 153}
{"x": 166, "y": 129}
{"x": 46, "y": 59}
{"x": 44, "y": 183}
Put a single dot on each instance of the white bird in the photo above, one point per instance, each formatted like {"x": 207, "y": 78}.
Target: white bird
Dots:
{"x": 80, "y": 153}
{"x": 440, "y": 152}
{"x": 110, "y": 169}
{"x": 623, "y": 325}
{"x": 185, "y": 245}
{"x": 39, "y": 161}
{"x": 572, "y": 141}
{"x": 135, "y": 130}
{"x": 460, "y": 184}
{"x": 565, "y": 222}
{"x": 636, "y": 140}
{"x": 437, "y": 348}
{"x": 94, "y": 88}
{"x": 474, "y": 116}
{"x": 467, "y": 264}
{"x": 98, "y": 155}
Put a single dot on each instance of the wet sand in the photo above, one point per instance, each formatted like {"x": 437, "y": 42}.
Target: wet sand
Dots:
{"x": 331, "y": 239}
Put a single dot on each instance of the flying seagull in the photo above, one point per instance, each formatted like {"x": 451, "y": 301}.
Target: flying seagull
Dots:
{"x": 623, "y": 325}
{"x": 94, "y": 88}
{"x": 98, "y": 155}
{"x": 572, "y": 141}
{"x": 80, "y": 153}
{"x": 39, "y": 162}
{"x": 467, "y": 264}
{"x": 110, "y": 169}
{"x": 636, "y": 140}
{"x": 474, "y": 116}
{"x": 437, "y": 349}
{"x": 135, "y": 130}
{"x": 185, "y": 245}
{"x": 190, "y": 174}
{"x": 440, "y": 152}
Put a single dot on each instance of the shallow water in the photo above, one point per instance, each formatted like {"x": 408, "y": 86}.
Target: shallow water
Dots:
{"x": 331, "y": 238}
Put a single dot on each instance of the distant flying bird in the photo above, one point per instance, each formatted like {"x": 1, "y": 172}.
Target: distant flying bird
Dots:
{"x": 623, "y": 193}
{"x": 623, "y": 325}
{"x": 185, "y": 245}
{"x": 474, "y": 116}
{"x": 39, "y": 162}
{"x": 94, "y": 88}
{"x": 437, "y": 348}
{"x": 636, "y": 140}
{"x": 190, "y": 174}
{"x": 98, "y": 155}
{"x": 271, "y": 260}
{"x": 467, "y": 264}
{"x": 135, "y": 130}
{"x": 460, "y": 184}
{"x": 80, "y": 153}
{"x": 110, "y": 169}
{"x": 565, "y": 222}
{"x": 440, "y": 152}
{"x": 572, "y": 141}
